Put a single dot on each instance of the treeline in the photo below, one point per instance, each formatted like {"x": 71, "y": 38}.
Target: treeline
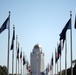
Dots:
{"x": 3, "y": 70}
{"x": 69, "y": 71}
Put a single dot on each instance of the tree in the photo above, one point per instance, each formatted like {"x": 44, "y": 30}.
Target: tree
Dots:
{"x": 3, "y": 70}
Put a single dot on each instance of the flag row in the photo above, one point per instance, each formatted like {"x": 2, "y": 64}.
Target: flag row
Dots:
{"x": 19, "y": 55}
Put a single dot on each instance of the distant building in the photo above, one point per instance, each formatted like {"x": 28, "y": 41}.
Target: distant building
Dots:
{"x": 37, "y": 60}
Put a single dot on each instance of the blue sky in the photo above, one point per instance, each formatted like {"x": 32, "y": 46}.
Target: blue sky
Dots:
{"x": 37, "y": 21}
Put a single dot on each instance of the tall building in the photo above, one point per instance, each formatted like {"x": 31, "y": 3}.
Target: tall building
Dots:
{"x": 37, "y": 60}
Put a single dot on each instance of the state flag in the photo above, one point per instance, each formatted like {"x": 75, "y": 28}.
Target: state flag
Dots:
{"x": 52, "y": 60}
{"x": 21, "y": 55}
{"x": 5, "y": 25}
{"x": 56, "y": 56}
{"x": 13, "y": 38}
{"x": 63, "y": 33}
{"x": 24, "y": 60}
{"x": 18, "y": 52}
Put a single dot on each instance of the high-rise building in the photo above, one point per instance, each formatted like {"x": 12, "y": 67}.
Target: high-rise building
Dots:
{"x": 37, "y": 60}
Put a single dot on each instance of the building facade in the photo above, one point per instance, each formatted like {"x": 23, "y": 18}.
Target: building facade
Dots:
{"x": 37, "y": 60}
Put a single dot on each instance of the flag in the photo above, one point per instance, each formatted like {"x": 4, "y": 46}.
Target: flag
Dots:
{"x": 56, "y": 56}
{"x": 46, "y": 70}
{"x": 52, "y": 60}
{"x": 24, "y": 60}
{"x": 75, "y": 22}
{"x": 50, "y": 67}
{"x": 13, "y": 38}
{"x": 18, "y": 52}
{"x": 63, "y": 33}
{"x": 21, "y": 55}
{"x": 62, "y": 44}
{"x": 59, "y": 50}
{"x": 5, "y": 25}
{"x": 27, "y": 65}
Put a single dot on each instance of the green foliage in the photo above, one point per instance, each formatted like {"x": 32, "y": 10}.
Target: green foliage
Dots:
{"x": 69, "y": 71}
{"x": 3, "y": 70}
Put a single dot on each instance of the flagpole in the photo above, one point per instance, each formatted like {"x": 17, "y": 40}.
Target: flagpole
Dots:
{"x": 55, "y": 60}
{"x": 21, "y": 62}
{"x": 23, "y": 69}
{"x": 13, "y": 54}
{"x": 60, "y": 65}
{"x": 16, "y": 53}
{"x": 18, "y": 66}
{"x": 52, "y": 70}
{"x": 18, "y": 61}
{"x": 57, "y": 67}
{"x": 60, "y": 62}
{"x": 65, "y": 57}
{"x": 8, "y": 44}
{"x": 52, "y": 63}
{"x": 75, "y": 22}
{"x": 71, "y": 42}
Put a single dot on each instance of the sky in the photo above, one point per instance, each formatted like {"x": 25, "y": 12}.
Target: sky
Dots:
{"x": 37, "y": 21}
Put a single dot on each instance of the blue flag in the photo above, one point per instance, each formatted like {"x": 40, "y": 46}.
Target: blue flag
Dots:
{"x": 13, "y": 38}
{"x": 18, "y": 52}
{"x": 5, "y": 25}
{"x": 24, "y": 60}
{"x": 56, "y": 56}
{"x": 75, "y": 22}
{"x": 52, "y": 60}
{"x": 63, "y": 33}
